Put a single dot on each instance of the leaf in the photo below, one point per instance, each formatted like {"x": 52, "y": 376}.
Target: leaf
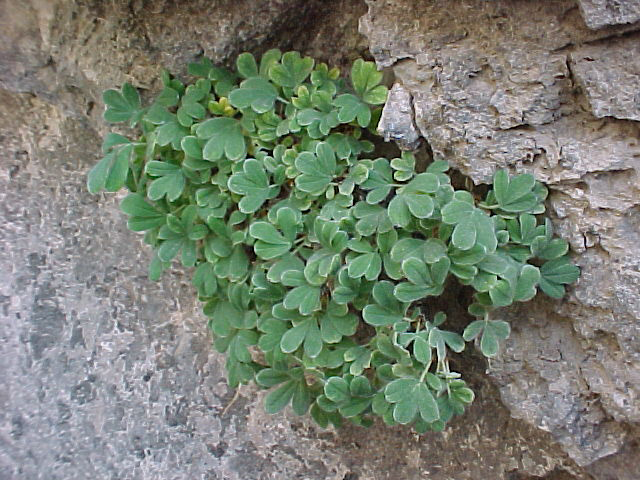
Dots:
{"x": 514, "y": 194}
{"x": 352, "y": 108}
{"x": 253, "y": 184}
{"x": 205, "y": 280}
{"x": 317, "y": 170}
{"x": 143, "y": 216}
{"x": 111, "y": 172}
{"x": 526, "y": 285}
{"x": 292, "y": 70}
{"x": 555, "y": 273}
{"x": 301, "y": 398}
{"x": 171, "y": 181}
{"x": 270, "y": 377}
{"x": 494, "y": 330}
{"x": 122, "y": 106}
{"x": 371, "y": 219}
{"x": 560, "y": 270}
{"x": 246, "y": 65}
{"x": 502, "y": 294}
{"x": 378, "y": 181}
{"x": 271, "y": 243}
{"x": 456, "y": 211}
{"x": 368, "y": 265}
{"x": 336, "y": 389}
{"x": 426, "y": 403}
{"x": 304, "y": 298}
{"x": 279, "y": 398}
{"x": 365, "y": 79}
{"x": 464, "y": 235}
{"x": 434, "y": 250}
{"x": 256, "y": 93}
{"x": 224, "y": 137}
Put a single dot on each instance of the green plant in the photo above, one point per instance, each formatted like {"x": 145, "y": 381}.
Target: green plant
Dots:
{"x": 314, "y": 263}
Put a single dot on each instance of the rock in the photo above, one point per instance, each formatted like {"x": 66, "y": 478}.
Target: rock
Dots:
{"x": 396, "y": 122}
{"x": 526, "y": 86}
{"x": 610, "y": 77}
{"x": 108, "y": 375}
{"x": 600, "y": 13}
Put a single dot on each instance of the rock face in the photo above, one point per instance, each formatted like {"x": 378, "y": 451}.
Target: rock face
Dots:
{"x": 108, "y": 375}
{"x": 528, "y": 85}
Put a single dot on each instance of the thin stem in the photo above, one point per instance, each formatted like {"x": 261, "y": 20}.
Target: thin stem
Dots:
{"x": 425, "y": 371}
{"x": 283, "y": 100}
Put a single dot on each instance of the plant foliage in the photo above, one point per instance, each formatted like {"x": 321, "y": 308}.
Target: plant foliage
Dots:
{"x": 311, "y": 256}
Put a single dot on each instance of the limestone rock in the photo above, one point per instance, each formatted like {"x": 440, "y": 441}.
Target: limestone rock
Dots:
{"x": 525, "y": 85}
{"x": 610, "y": 76}
{"x": 396, "y": 122}
{"x": 600, "y": 13}
{"x": 107, "y": 375}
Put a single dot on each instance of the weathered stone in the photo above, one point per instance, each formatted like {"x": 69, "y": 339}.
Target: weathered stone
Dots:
{"x": 610, "y": 76}
{"x": 108, "y": 375}
{"x": 600, "y": 13}
{"x": 498, "y": 84}
{"x": 396, "y": 122}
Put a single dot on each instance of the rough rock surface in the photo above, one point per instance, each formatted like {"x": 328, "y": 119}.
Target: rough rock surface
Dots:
{"x": 600, "y": 13}
{"x": 108, "y": 375}
{"x": 527, "y": 85}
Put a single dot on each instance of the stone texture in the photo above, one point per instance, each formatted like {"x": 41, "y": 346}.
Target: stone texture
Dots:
{"x": 396, "y": 122}
{"x": 600, "y": 13}
{"x": 610, "y": 76}
{"x": 525, "y": 85}
{"x": 108, "y": 375}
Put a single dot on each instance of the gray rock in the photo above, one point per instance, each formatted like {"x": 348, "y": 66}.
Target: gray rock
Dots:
{"x": 396, "y": 122}
{"x": 610, "y": 77}
{"x": 600, "y": 13}
{"x": 500, "y": 84}
{"x": 108, "y": 375}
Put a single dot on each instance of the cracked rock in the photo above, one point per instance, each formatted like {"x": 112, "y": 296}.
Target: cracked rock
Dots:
{"x": 396, "y": 122}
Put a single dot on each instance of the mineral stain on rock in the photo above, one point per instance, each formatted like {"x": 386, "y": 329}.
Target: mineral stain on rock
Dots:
{"x": 108, "y": 375}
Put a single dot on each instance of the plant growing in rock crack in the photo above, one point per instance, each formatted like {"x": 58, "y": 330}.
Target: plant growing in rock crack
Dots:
{"x": 311, "y": 256}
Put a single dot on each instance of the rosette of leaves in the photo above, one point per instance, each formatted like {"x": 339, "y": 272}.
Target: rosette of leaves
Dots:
{"x": 313, "y": 258}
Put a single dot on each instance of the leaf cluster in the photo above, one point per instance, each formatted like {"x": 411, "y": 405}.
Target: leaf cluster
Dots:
{"x": 312, "y": 257}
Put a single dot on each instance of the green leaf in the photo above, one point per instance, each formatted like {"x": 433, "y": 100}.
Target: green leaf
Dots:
{"x": 204, "y": 279}
{"x": 502, "y": 294}
{"x": 143, "y": 216}
{"x": 253, "y": 184}
{"x": 555, "y": 273}
{"x": 224, "y": 137}
{"x": 426, "y": 403}
{"x": 365, "y": 79}
{"x": 336, "y": 389}
{"x": 368, "y": 265}
{"x": 246, "y": 65}
{"x": 560, "y": 270}
{"x": 279, "y": 398}
{"x": 456, "y": 211}
{"x": 421, "y": 350}
{"x": 122, "y": 106}
{"x": 526, "y": 285}
{"x": 371, "y": 219}
{"x": 171, "y": 181}
{"x": 256, "y": 93}
{"x": 270, "y": 377}
{"x": 292, "y": 70}
{"x": 352, "y": 108}
{"x": 514, "y": 194}
{"x": 111, "y": 172}
{"x": 464, "y": 235}
{"x": 317, "y": 170}
{"x": 304, "y": 298}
